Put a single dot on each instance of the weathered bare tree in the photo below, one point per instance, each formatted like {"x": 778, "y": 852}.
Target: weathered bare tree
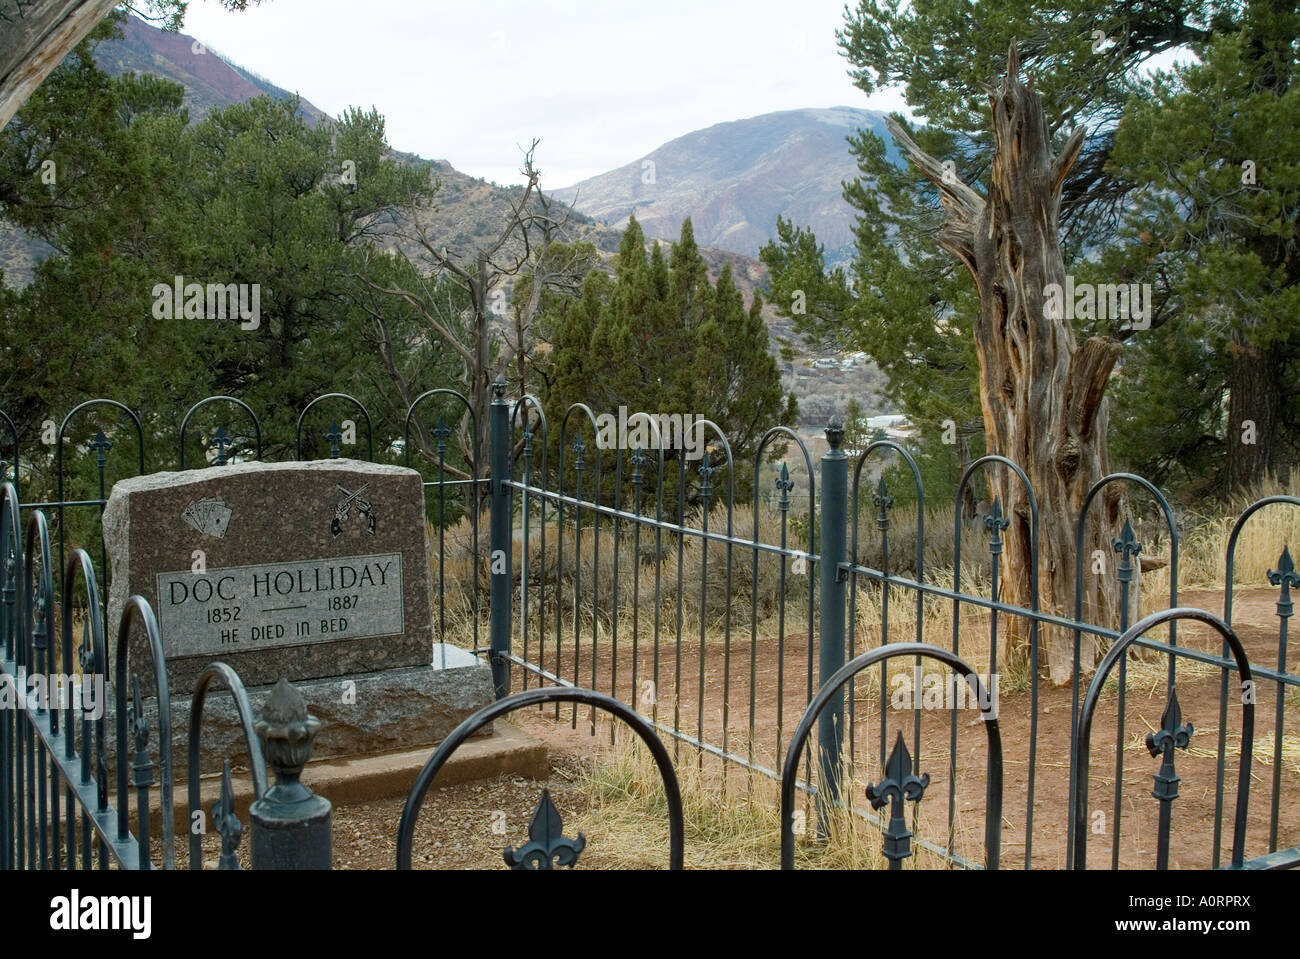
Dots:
{"x": 1042, "y": 394}
{"x": 394, "y": 347}
{"x": 529, "y": 257}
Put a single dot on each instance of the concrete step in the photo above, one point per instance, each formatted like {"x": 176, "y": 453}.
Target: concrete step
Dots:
{"x": 358, "y": 779}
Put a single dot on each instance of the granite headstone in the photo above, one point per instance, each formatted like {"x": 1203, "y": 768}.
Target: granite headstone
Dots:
{"x": 300, "y": 570}
{"x": 317, "y": 572}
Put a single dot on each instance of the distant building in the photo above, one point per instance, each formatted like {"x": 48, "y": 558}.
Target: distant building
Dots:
{"x": 887, "y": 421}
{"x": 894, "y": 426}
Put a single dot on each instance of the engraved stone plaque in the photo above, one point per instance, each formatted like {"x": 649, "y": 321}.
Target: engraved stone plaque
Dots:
{"x": 306, "y": 570}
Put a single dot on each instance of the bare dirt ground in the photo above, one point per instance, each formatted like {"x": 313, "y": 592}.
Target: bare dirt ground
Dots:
{"x": 469, "y": 826}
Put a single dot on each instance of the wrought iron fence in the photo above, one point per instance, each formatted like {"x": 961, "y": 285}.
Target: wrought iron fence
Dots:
{"x": 55, "y": 810}
{"x": 50, "y": 756}
{"x": 720, "y": 673}
{"x": 56, "y": 763}
{"x": 235, "y": 434}
{"x": 710, "y": 625}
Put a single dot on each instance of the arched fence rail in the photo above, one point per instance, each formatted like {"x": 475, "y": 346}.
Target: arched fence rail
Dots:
{"x": 56, "y": 810}
{"x": 1172, "y": 735}
{"x": 547, "y": 847}
{"x": 718, "y": 589}
{"x": 900, "y": 785}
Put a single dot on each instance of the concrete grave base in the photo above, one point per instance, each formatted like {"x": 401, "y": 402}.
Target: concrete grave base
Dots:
{"x": 508, "y": 751}
{"x": 362, "y": 715}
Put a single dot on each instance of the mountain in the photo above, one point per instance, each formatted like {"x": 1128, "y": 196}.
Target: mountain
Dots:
{"x": 210, "y": 81}
{"x": 734, "y": 179}
{"x": 799, "y": 150}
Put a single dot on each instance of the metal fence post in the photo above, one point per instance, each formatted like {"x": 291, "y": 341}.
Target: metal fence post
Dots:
{"x": 831, "y": 549}
{"x": 499, "y": 545}
{"x": 290, "y": 823}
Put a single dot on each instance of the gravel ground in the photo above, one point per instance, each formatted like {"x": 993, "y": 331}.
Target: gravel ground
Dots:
{"x": 460, "y": 827}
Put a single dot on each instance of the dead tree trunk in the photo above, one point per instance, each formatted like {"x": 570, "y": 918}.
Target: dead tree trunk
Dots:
{"x": 1042, "y": 395}
{"x": 35, "y": 36}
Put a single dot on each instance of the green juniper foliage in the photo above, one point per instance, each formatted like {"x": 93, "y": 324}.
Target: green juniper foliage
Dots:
{"x": 659, "y": 337}
{"x": 1188, "y": 181}
{"x": 253, "y": 196}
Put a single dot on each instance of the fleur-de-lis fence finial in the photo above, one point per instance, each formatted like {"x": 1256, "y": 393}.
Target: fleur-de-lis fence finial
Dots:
{"x": 85, "y": 653}
{"x": 227, "y": 823}
{"x": 221, "y": 442}
{"x": 101, "y": 444}
{"x": 1127, "y": 546}
{"x": 1171, "y": 735}
{"x": 40, "y": 636}
{"x": 783, "y": 486}
{"x": 440, "y": 432}
{"x": 900, "y": 785}
{"x": 547, "y": 847}
{"x": 884, "y": 503}
{"x": 10, "y": 580}
{"x": 138, "y": 726}
{"x": 1285, "y": 576}
{"x": 335, "y": 436}
{"x": 706, "y": 471}
{"x": 996, "y": 523}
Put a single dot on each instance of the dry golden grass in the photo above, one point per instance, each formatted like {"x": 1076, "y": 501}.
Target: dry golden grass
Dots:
{"x": 1202, "y": 556}
{"x": 1206, "y": 746}
{"x": 733, "y": 828}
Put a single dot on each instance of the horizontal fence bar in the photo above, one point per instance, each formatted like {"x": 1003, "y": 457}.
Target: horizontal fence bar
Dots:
{"x": 1064, "y": 623}
{"x": 1282, "y": 859}
{"x": 481, "y": 481}
{"x": 643, "y": 520}
{"x": 57, "y": 504}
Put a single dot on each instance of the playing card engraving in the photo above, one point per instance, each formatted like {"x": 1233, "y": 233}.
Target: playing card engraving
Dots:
{"x": 209, "y": 516}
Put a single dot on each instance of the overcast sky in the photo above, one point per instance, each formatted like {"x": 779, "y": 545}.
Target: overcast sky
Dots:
{"x": 600, "y": 82}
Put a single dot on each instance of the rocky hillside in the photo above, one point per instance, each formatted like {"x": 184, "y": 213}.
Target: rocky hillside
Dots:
{"x": 729, "y": 208}
{"x": 734, "y": 179}
{"x": 210, "y": 81}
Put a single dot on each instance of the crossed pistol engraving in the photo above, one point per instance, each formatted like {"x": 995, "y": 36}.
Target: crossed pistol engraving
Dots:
{"x": 344, "y": 507}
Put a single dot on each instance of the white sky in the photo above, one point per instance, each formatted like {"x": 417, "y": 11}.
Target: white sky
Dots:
{"x": 600, "y": 82}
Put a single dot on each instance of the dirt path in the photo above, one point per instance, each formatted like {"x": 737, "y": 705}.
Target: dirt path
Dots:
{"x": 780, "y": 673}
{"x": 462, "y": 826}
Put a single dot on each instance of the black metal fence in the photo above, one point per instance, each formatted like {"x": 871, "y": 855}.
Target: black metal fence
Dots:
{"x": 735, "y": 637}
{"x": 55, "y": 734}
{"x": 731, "y": 633}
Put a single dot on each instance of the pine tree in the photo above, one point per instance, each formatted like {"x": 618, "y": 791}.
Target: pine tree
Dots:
{"x": 657, "y": 336}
